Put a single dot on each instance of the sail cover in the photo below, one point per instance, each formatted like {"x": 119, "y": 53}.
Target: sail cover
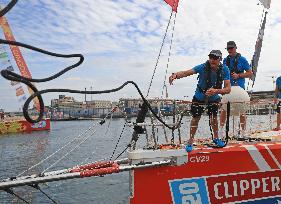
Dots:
{"x": 173, "y": 3}
{"x": 266, "y": 3}
{"x": 256, "y": 56}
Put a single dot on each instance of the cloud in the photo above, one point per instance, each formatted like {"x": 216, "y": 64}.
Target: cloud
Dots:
{"x": 121, "y": 39}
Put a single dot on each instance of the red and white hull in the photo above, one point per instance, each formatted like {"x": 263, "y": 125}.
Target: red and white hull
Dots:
{"x": 238, "y": 173}
{"x": 16, "y": 126}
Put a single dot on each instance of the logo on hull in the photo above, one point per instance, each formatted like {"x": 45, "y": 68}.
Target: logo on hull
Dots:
{"x": 255, "y": 187}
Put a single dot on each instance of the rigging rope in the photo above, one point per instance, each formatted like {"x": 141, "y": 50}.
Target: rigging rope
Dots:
{"x": 48, "y": 157}
{"x": 75, "y": 147}
{"x": 169, "y": 55}
{"x": 10, "y": 191}
{"x": 159, "y": 54}
{"x": 118, "y": 140}
{"x": 36, "y": 186}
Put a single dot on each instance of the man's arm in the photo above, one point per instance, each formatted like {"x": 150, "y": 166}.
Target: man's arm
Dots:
{"x": 225, "y": 90}
{"x": 181, "y": 74}
{"x": 247, "y": 74}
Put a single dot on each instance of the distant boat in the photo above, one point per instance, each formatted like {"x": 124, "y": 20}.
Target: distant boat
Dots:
{"x": 21, "y": 125}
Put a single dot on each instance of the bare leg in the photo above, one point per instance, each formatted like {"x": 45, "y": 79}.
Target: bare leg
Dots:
{"x": 193, "y": 128}
{"x": 214, "y": 123}
{"x": 243, "y": 122}
{"x": 278, "y": 121}
{"x": 222, "y": 118}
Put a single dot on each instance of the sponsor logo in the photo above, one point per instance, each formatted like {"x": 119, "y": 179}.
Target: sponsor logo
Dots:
{"x": 189, "y": 191}
{"x": 40, "y": 124}
{"x": 255, "y": 187}
{"x": 230, "y": 188}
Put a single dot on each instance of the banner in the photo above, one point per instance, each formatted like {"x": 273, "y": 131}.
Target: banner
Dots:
{"x": 173, "y": 3}
{"x": 17, "y": 56}
{"x": 256, "y": 56}
{"x": 13, "y": 83}
{"x": 19, "y": 91}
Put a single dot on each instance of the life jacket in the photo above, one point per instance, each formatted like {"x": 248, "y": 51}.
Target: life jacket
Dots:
{"x": 208, "y": 78}
{"x": 234, "y": 68}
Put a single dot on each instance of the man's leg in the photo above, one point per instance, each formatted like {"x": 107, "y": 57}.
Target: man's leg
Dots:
{"x": 212, "y": 112}
{"x": 214, "y": 124}
{"x": 222, "y": 118}
{"x": 193, "y": 128}
{"x": 278, "y": 121}
{"x": 278, "y": 116}
{"x": 196, "y": 111}
{"x": 243, "y": 122}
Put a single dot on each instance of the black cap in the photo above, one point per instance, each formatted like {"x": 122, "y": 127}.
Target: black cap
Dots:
{"x": 230, "y": 44}
{"x": 216, "y": 53}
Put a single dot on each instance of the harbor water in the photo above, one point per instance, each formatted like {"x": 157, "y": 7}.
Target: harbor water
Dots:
{"x": 19, "y": 152}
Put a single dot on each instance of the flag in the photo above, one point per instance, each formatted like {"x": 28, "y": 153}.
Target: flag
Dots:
{"x": 23, "y": 98}
{"x": 256, "y": 56}
{"x": 10, "y": 68}
{"x": 13, "y": 83}
{"x": 173, "y": 3}
{"x": 19, "y": 91}
{"x": 4, "y": 55}
{"x": 266, "y": 3}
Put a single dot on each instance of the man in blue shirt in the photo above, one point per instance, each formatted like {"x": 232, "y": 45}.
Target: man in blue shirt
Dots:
{"x": 278, "y": 96}
{"x": 212, "y": 74}
{"x": 239, "y": 70}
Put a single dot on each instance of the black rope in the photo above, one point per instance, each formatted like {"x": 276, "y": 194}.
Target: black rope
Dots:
{"x": 129, "y": 145}
{"x": 227, "y": 123}
{"x": 10, "y": 191}
{"x": 210, "y": 126}
{"x": 16, "y": 77}
{"x": 8, "y": 7}
{"x": 118, "y": 140}
{"x": 36, "y": 186}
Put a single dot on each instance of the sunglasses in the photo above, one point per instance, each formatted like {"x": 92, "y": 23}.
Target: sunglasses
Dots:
{"x": 229, "y": 48}
{"x": 214, "y": 57}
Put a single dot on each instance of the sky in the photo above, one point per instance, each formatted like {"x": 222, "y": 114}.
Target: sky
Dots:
{"x": 121, "y": 39}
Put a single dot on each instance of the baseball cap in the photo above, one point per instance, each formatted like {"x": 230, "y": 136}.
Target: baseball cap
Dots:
{"x": 216, "y": 53}
{"x": 230, "y": 44}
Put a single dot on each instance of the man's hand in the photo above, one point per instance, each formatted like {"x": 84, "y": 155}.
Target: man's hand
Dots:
{"x": 235, "y": 76}
{"x": 172, "y": 78}
{"x": 211, "y": 92}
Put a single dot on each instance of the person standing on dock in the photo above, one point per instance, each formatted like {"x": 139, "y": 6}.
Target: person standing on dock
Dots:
{"x": 239, "y": 69}
{"x": 212, "y": 74}
{"x": 278, "y": 97}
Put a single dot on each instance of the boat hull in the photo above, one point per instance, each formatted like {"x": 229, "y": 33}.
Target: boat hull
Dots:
{"x": 18, "y": 126}
{"x": 239, "y": 173}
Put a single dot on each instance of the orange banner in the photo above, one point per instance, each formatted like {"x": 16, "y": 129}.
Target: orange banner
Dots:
{"x": 17, "y": 55}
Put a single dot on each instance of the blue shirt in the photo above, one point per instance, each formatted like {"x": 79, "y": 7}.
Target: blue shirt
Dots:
{"x": 278, "y": 84}
{"x": 202, "y": 81}
{"x": 242, "y": 66}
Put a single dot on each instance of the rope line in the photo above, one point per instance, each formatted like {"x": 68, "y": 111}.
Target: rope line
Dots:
{"x": 159, "y": 54}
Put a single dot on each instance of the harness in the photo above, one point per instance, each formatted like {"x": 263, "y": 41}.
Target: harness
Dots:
{"x": 209, "y": 80}
{"x": 234, "y": 68}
